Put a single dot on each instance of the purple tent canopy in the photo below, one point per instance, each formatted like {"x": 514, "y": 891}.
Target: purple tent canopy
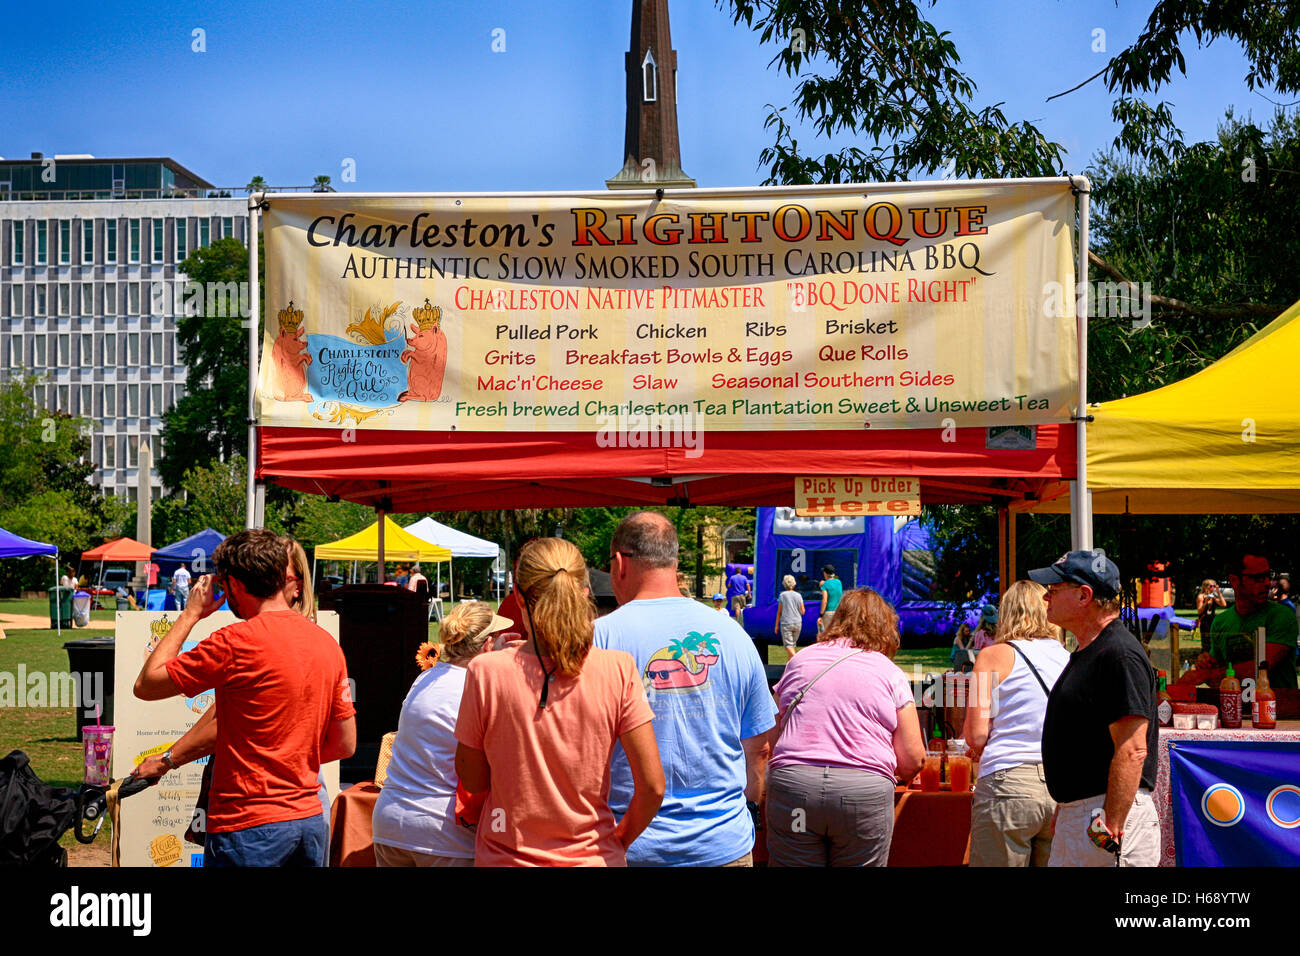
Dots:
{"x": 13, "y": 546}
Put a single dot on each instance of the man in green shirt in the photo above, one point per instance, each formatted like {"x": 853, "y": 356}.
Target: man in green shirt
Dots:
{"x": 832, "y": 589}
{"x": 1232, "y": 635}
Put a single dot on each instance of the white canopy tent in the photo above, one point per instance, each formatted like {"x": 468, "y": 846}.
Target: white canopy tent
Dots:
{"x": 460, "y": 544}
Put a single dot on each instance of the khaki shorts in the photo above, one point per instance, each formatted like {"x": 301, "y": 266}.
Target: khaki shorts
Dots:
{"x": 790, "y": 634}
{"x": 386, "y": 855}
{"x": 1139, "y": 847}
{"x": 1011, "y": 818}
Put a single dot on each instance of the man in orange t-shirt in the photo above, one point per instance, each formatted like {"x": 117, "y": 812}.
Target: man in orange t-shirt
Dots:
{"x": 283, "y": 708}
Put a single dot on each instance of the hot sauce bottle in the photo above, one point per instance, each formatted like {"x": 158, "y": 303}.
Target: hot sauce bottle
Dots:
{"x": 1165, "y": 704}
{"x": 1264, "y": 713}
{"x": 1230, "y": 700}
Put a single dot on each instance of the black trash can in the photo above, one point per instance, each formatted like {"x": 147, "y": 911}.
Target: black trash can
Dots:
{"x": 60, "y": 607}
{"x": 91, "y": 658}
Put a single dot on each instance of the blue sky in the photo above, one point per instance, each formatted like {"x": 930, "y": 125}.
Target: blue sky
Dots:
{"x": 415, "y": 95}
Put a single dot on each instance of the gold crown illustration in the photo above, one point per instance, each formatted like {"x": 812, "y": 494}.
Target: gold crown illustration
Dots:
{"x": 428, "y": 317}
{"x": 160, "y": 627}
{"x": 372, "y": 329}
{"x": 290, "y": 318}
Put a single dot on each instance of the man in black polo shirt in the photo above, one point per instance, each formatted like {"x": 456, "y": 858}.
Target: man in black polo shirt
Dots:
{"x": 1100, "y": 732}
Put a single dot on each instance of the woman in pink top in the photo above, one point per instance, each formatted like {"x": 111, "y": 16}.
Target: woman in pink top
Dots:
{"x": 537, "y": 727}
{"x": 848, "y": 730}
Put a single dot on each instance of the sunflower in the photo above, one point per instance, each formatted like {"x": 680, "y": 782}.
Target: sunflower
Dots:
{"x": 427, "y": 655}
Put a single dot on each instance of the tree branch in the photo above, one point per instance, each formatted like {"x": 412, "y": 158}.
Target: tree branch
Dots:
{"x": 1269, "y": 309}
{"x": 1081, "y": 85}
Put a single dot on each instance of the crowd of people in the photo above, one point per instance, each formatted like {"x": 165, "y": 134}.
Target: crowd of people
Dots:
{"x": 606, "y": 719}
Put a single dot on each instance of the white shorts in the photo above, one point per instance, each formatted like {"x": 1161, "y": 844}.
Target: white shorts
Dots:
{"x": 1140, "y": 845}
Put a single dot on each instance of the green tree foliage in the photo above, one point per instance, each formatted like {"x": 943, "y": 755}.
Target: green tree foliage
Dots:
{"x": 44, "y": 489}
{"x": 211, "y": 422}
{"x": 1213, "y": 232}
{"x": 879, "y": 72}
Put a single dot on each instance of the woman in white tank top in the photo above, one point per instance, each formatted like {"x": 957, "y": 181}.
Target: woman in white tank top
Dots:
{"x": 1011, "y": 811}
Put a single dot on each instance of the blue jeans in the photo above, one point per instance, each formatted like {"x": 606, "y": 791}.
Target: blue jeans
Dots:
{"x": 288, "y": 843}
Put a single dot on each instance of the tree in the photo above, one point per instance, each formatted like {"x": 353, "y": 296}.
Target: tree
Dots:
{"x": 211, "y": 421}
{"x": 1268, "y": 31}
{"x": 256, "y": 185}
{"x": 45, "y": 492}
{"x": 892, "y": 79}
{"x": 1212, "y": 234}
{"x": 321, "y": 184}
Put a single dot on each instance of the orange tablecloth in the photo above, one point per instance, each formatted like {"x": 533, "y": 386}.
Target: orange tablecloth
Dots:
{"x": 930, "y": 829}
{"x": 350, "y": 835}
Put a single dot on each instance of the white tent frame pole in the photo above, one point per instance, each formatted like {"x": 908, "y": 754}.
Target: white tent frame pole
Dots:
{"x": 1080, "y": 496}
{"x": 58, "y": 614}
{"x": 254, "y": 326}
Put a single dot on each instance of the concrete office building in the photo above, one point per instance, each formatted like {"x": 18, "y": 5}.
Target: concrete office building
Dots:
{"x": 90, "y": 291}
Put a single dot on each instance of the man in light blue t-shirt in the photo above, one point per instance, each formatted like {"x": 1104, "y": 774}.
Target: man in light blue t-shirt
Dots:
{"x": 713, "y": 710}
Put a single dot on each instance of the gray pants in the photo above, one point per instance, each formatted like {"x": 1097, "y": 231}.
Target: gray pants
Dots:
{"x": 828, "y": 816}
{"x": 1011, "y": 818}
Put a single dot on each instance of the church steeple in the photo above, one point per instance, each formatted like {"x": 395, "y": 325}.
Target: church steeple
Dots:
{"x": 650, "y": 143}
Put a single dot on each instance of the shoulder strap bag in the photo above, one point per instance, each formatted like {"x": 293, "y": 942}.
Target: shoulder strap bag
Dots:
{"x": 807, "y": 687}
{"x": 1034, "y": 670}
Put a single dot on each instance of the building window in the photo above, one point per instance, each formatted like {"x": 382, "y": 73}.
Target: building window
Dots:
{"x": 227, "y": 227}
{"x": 110, "y": 447}
{"x": 87, "y": 299}
{"x": 42, "y": 242}
{"x": 156, "y": 404}
{"x": 649, "y": 78}
{"x": 133, "y": 251}
{"x": 64, "y": 355}
{"x": 87, "y": 241}
{"x": 65, "y": 242}
{"x": 15, "y": 350}
{"x": 205, "y": 231}
{"x": 38, "y": 351}
{"x": 155, "y": 348}
{"x": 133, "y": 451}
{"x": 15, "y": 301}
{"x": 133, "y": 350}
{"x": 87, "y": 407}
{"x": 110, "y": 241}
{"x": 133, "y": 298}
{"x": 179, "y": 393}
{"x": 110, "y": 351}
{"x": 38, "y": 304}
{"x": 182, "y": 245}
{"x": 157, "y": 250}
{"x": 18, "y": 253}
{"x": 110, "y": 298}
{"x": 65, "y": 298}
{"x": 110, "y": 401}
{"x": 133, "y": 401}
{"x": 87, "y": 349}
{"x": 64, "y": 399}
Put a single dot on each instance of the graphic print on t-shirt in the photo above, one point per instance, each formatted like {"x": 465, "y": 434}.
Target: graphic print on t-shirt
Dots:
{"x": 684, "y": 664}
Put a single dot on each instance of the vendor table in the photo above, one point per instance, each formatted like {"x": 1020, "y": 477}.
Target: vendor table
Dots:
{"x": 1287, "y": 730}
{"x": 930, "y": 829}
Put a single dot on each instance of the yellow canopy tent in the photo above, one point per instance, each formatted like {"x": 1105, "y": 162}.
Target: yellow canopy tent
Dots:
{"x": 1223, "y": 441}
{"x": 399, "y": 545}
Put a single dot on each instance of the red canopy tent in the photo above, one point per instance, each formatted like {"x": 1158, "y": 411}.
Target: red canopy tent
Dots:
{"x": 120, "y": 549}
{"x": 433, "y": 471}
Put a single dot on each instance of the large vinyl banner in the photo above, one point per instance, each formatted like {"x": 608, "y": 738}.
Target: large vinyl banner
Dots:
{"x": 901, "y": 306}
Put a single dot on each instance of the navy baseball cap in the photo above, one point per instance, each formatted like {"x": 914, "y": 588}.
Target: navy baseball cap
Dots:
{"x": 1092, "y": 568}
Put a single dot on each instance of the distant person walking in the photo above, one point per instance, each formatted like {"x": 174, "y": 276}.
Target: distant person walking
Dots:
{"x": 832, "y": 589}
{"x": 789, "y": 622}
{"x": 181, "y": 587}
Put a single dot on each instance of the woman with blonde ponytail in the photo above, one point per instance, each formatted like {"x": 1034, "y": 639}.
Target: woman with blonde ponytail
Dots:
{"x": 414, "y": 820}
{"x": 538, "y": 723}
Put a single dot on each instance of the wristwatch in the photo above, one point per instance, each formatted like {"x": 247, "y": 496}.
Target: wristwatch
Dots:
{"x": 167, "y": 759}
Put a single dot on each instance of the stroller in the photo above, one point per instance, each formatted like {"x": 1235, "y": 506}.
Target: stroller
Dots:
{"x": 34, "y": 815}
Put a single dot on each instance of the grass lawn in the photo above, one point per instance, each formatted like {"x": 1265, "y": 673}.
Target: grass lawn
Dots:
{"x": 46, "y": 734}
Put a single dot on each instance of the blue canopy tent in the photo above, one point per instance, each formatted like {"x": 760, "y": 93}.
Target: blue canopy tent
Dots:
{"x": 16, "y": 546}
{"x": 195, "y": 552}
